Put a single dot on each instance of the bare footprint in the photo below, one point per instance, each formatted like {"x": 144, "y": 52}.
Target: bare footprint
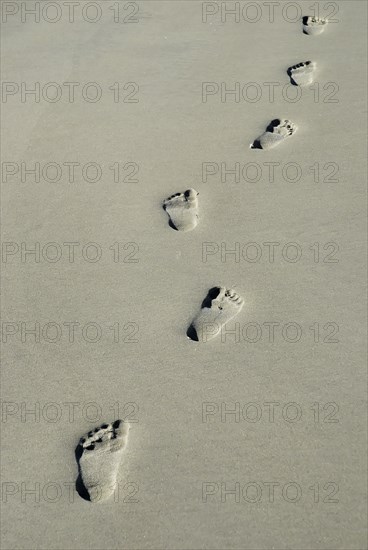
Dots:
{"x": 302, "y": 74}
{"x": 313, "y": 25}
{"x": 182, "y": 209}
{"x": 275, "y": 133}
{"x": 220, "y": 306}
{"x": 99, "y": 454}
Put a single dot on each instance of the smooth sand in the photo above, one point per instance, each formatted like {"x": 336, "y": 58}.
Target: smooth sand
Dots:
{"x": 170, "y": 132}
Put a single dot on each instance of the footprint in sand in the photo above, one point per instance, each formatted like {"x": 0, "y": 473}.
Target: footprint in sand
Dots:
{"x": 276, "y": 132}
{"x": 182, "y": 209}
{"x": 219, "y": 307}
{"x": 98, "y": 455}
{"x": 313, "y": 25}
{"x": 302, "y": 74}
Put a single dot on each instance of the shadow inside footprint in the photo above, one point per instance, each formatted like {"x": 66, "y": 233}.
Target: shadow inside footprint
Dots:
{"x": 207, "y": 303}
{"x": 211, "y": 295}
{"x": 172, "y": 225}
{"x": 192, "y": 334}
{"x": 305, "y": 22}
{"x": 275, "y": 122}
{"x": 256, "y": 144}
{"x": 292, "y": 81}
{"x": 170, "y": 222}
{"x": 79, "y": 485}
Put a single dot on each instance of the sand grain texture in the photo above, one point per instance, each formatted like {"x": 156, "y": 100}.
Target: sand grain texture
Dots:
{"x": 176, "y": 394}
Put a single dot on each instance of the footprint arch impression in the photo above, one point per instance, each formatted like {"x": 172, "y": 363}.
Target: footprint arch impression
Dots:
{"x": 218, "y": 308}
{"x": 182, "y": 209}
{"x": 276, "y": 132}
{"x": 99, "y": 455}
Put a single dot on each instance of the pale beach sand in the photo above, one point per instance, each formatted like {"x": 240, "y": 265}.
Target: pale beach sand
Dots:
{"x": 184, "y": 456}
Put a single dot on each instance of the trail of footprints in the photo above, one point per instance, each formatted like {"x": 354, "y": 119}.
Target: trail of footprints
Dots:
{"x": 99, "y": 452}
